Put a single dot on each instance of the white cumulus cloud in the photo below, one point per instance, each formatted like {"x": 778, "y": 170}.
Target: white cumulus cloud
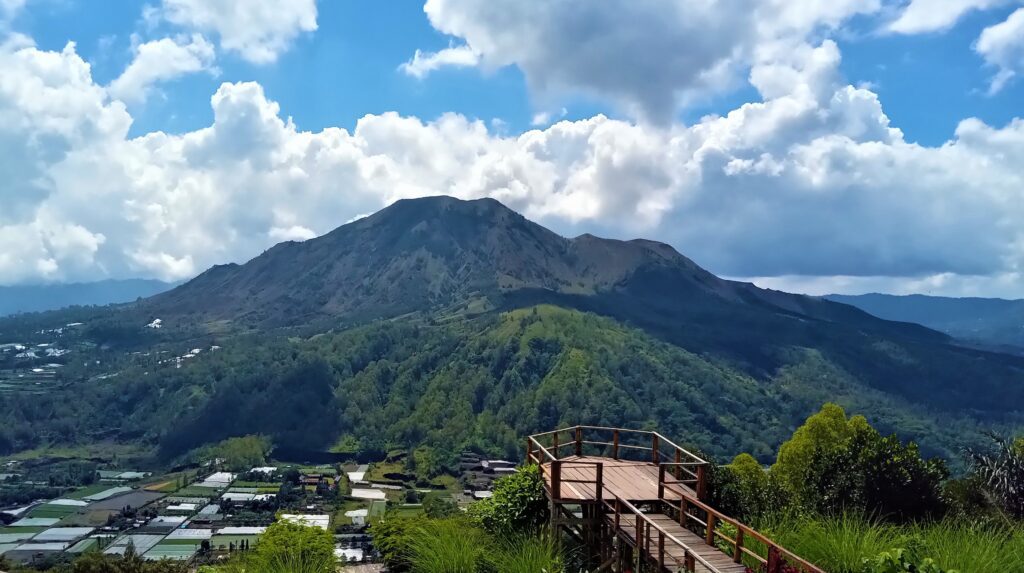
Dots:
{"x": 257, "y": 30}
{"x": 647, "y": 56}
{"x": 920, "y": 16}
{"x": 422, "y": 63}
{"x": 160, "y": 61}
{"x": 811, "y": 181}
{"x": 1002, "y": 46}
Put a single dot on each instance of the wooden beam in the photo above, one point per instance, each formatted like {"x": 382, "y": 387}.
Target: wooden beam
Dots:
{"x": 737, "y": 551}
{"x": 701, "y": 482}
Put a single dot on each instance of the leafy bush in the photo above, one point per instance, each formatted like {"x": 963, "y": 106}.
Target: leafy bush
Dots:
{"x": 833, "y": 464}
{"x": 286, "y": 548}
{"x": 902, "y": 561}
{"x": 392, "y": 535}
{"x": 518, "y": 506}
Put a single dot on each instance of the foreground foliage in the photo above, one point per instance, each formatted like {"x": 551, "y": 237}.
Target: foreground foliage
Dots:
{"x": 285, "y": 548}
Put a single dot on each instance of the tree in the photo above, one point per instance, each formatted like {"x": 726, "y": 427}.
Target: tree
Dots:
{"x": 518, "y": 506}
{"x": 833, "y": 464}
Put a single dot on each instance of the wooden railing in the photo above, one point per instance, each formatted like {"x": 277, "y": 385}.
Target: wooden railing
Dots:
{"x": 643, "y": 526}
{"x": 620, "y": 443}
{"x": 743, "y": 551}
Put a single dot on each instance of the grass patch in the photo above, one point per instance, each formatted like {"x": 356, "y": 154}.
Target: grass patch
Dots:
{"x": 377, "y": 472}
{"x": 339, "y": 517}
{"x": 196, "y": 491}
{"x": 54, "y": 511}
{"x": 446, "y": 482}
{"x": 88, "y": 490}
{"x": 841, "y": 544}
{"x": 32, "y": 529}
{"x": 258, "y": 484}
{"x": 407, "y": 511}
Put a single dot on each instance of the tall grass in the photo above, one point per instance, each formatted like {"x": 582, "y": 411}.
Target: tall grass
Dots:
{"x": 840, "y": 544}
{"x": 456, "y": 546}
{"x": 286, "y": 563}
{"x": 527, "y": 555}
{"x": 837, "y": 544}
{"x": 447, "y": 546}
{"x": 971, "y": 548}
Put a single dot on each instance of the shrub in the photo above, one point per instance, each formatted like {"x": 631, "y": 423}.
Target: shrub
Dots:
{"x": 287, "y": 547}
{"x": 902, "y": 561}
{"x": 518, "y": 506}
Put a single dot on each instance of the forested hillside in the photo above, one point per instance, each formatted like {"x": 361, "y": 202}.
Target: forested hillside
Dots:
{"x": 460, "y": 324}
{"x": 479, "y": 383}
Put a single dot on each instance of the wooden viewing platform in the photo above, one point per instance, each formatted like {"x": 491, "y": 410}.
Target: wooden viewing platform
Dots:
{"x": 636, "y": 501}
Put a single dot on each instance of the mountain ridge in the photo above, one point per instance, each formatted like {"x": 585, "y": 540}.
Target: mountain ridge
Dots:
{"x": 453, "y": 248}
{"x": 996, "y": 322}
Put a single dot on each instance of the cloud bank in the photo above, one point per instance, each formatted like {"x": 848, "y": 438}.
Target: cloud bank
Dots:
{"x": 812, "y": 181}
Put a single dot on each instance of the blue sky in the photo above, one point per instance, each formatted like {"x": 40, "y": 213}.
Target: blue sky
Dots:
{"x": 349, "y": 68}
{"x": 858, "y": 144}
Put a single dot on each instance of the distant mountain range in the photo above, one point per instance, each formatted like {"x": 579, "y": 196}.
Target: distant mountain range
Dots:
{"x": 992, "y": 321}
{"x": 447, "y": 257}
{"x": 462, "y": 324}
{"x": 37, "y": 298}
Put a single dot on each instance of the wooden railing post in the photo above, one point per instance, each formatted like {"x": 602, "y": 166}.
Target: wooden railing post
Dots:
{"x": 579, "y": 442}
{"x": 554, "y": 445}
{"x": 639, "y": 535}
{"x": 774, "y": 560}
{"x": 661, "y": 482}
{"x": 600, "y": 484}
{"x": 615, "y": 444}
{"x": 529, "y": 450}
{"x": 737, "y": 552}
{"x": 688, "y": 561}
{"x": 661, "y": 550}
{"x": 710, "y": 536}
{"x": 556, "y": 480}
{"x": 702, "y": 482}
{"x": 684, "y": 508}
{"x": 655, "y": 458}
{"x": 679, "y": 468}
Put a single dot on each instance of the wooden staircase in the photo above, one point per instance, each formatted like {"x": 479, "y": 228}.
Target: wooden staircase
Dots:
{"x": 647, "y": 514}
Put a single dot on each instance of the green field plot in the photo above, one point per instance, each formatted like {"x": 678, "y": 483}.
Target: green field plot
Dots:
{"x": 87, "y": 491}
{"x": 386, "y": 472}
{"x": 257, "y": 484}
{"x": 196, "y": 491}
{"x": 57, "y": 511}
{"x": 26, "y": 529}
{"x": 174, "y": 551}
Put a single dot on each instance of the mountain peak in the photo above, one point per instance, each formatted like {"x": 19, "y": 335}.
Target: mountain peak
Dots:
{"x": 442, "y": 252}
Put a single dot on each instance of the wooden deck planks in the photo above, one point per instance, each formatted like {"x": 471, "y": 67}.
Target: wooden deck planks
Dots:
{"x": 630, "y": 480}
{"x": 674, "y": 553}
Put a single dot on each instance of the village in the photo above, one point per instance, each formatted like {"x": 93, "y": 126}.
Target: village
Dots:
{"x": 206, "y": 514}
